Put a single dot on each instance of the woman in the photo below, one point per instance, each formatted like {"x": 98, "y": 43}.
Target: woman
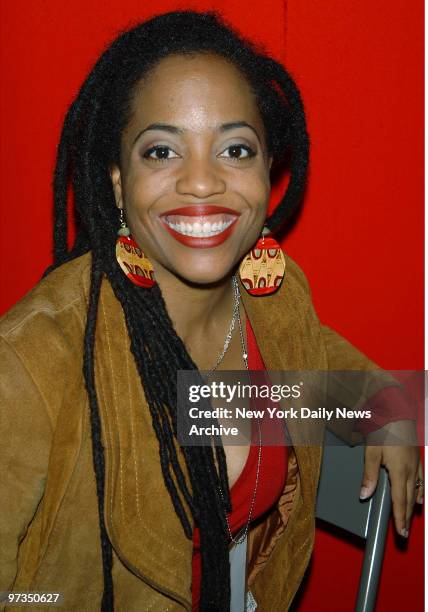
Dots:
{"x": 168, "y": 148}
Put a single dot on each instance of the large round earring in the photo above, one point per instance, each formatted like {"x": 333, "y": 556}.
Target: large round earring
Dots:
{"x": 262, "y": 270}
{"x": 131, "y": 258}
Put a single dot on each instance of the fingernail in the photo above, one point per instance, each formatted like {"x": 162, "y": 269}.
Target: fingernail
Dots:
{"x": 364, "y": 493}
{"x": 405, "y": 533}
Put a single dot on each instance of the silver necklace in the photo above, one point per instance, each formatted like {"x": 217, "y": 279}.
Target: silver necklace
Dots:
{"x": 237, "y": 315}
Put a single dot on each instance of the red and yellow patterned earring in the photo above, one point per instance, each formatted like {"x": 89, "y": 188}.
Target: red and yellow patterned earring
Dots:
{"x": 131, "y": 258}
{"x": 262, "y": 270}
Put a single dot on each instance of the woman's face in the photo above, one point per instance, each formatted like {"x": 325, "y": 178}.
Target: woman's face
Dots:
{"x": 194, "y": 172}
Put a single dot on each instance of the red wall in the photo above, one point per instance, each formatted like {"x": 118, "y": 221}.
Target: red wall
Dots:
{"x": 360, "y": 237}
{"x": 360, "y": 69}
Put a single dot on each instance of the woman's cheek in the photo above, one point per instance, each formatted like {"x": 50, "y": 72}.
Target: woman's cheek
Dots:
{"x": 257, "y": 187}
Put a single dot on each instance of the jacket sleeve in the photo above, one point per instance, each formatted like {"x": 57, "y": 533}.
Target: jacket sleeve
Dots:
{"x": 342, "y": 355}
{"x": 25, "y": 435}
{"x": 366, "y": 387}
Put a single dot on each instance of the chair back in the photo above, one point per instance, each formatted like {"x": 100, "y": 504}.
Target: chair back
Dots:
{"x": 338, "y": 503}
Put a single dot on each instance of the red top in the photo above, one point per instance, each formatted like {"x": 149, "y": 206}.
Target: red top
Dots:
{"x": 271, "y": 483}
{"x": 387, "y": 405}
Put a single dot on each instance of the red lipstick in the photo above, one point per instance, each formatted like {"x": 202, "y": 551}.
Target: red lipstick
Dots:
{"x": 188, "y": 224}
{"x": 200, "y": 210}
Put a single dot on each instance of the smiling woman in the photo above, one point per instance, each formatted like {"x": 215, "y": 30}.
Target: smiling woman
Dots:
{"x": 168, "y": 148}
{"x": 199, "y": 178}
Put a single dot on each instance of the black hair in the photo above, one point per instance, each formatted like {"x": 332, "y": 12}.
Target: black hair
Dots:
{"x": 89, "y": 145}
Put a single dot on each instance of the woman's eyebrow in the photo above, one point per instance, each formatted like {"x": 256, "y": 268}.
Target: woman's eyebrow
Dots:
{"x": 236, "y": 124}
{"x": 172, "y": 129}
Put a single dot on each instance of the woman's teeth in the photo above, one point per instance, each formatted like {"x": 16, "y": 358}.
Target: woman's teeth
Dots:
{"x": 199, "y": 229}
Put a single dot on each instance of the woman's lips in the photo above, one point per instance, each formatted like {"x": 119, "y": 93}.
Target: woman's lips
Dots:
{"x": 200, "y": 226}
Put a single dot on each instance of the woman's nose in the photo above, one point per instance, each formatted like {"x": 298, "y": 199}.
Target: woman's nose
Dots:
{"x": 200, "y": 178}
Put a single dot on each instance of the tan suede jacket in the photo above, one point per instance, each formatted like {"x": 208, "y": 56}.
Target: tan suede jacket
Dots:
{"x": 49, "y": 532}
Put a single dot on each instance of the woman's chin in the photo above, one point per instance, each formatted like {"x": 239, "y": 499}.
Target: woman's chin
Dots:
{"x": 201, "y": 267}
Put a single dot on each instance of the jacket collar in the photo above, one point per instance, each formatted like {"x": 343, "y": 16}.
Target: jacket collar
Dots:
{"x": 288, "y": 335}
{"x": 153, "y": 545}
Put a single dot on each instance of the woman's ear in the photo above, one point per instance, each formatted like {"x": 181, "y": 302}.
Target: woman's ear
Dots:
{"x": 116, "y": 180}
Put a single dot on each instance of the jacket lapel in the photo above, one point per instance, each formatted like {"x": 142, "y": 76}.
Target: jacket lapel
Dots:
{"x": 288, "y": 335}
{"x": 151, "y": 543}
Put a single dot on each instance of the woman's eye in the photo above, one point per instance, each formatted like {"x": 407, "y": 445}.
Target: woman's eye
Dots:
{"x": 159, "y": 153}
{"x": 238, "y": 152}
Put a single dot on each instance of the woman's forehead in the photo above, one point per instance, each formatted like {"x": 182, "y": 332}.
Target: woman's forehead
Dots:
{"x": 198, "y": 90}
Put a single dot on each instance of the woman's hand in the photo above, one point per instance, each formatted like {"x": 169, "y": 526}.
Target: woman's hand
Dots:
{"x": 404, "y": 466}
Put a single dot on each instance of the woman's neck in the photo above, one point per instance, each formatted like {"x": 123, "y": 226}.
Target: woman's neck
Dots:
{"x": 195, "y": 307}
{"x": 200, "y": 314}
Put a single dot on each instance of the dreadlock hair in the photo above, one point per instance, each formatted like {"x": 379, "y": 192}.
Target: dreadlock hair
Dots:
{"x": 89, "y": 145}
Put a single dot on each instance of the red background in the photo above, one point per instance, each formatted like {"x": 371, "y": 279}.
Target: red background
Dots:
{"x": 359, "y": 65}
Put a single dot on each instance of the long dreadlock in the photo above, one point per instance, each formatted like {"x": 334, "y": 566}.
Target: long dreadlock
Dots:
{"x": 89, "y": 145}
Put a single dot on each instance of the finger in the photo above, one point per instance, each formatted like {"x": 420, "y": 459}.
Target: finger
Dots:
{"x": 372, "y": 458}
{"x": 420, "y": 490}
{"x": 398, "y": 479}
{"x": 410, "y": 498}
